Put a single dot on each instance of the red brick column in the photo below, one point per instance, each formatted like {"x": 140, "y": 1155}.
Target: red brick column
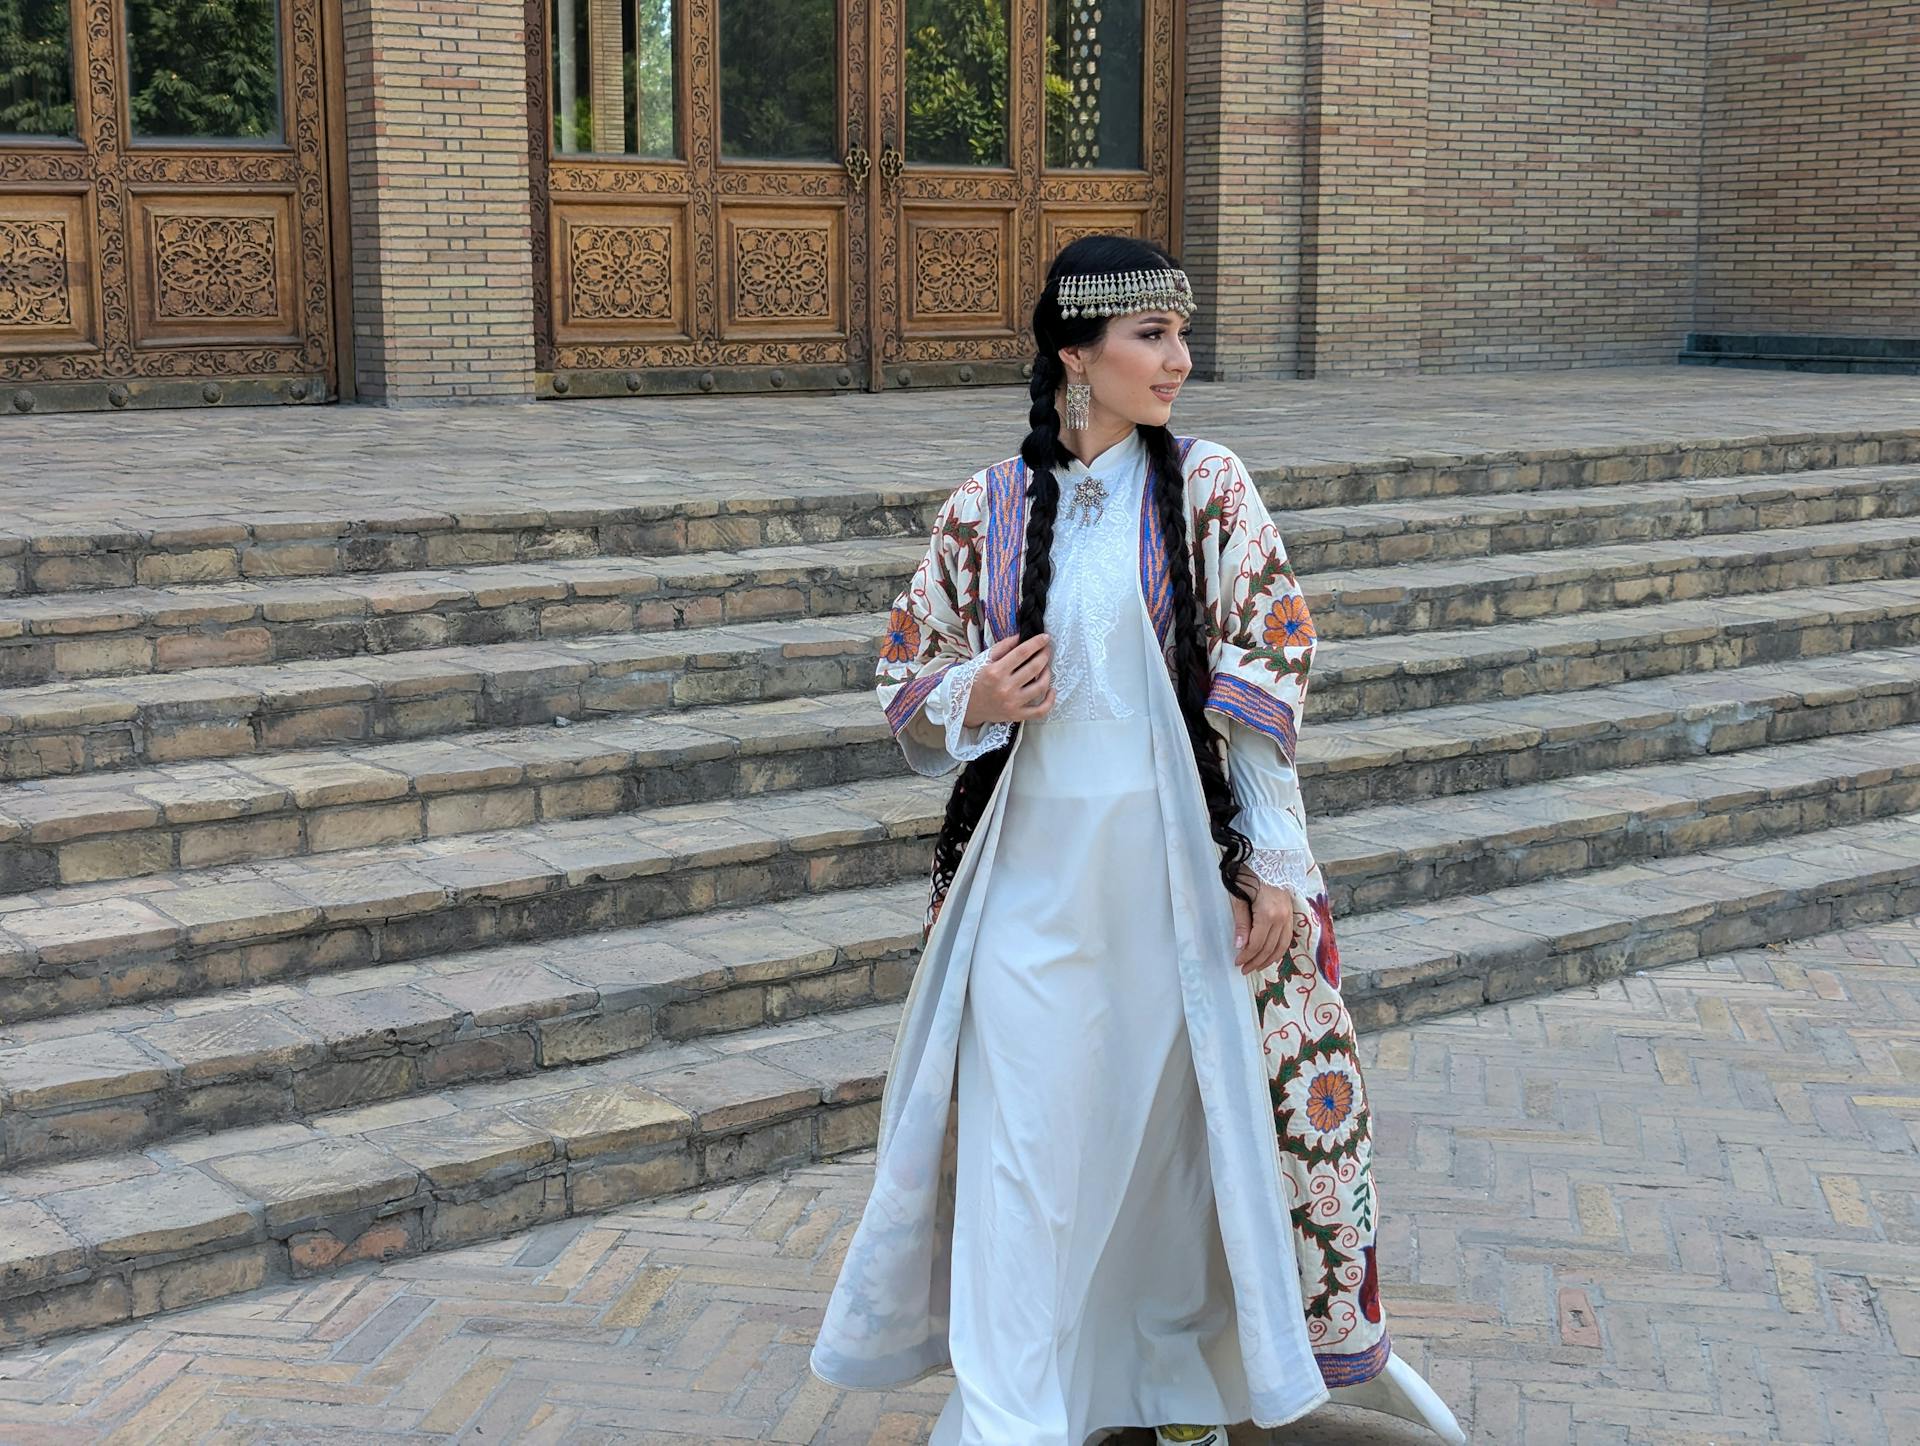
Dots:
{"x": 436, "y": 102}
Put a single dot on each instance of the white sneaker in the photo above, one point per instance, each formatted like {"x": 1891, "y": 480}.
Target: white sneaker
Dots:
{"x": 1190, "y": 1436}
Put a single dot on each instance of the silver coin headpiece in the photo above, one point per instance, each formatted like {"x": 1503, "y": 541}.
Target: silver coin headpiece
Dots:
{"x": 1121, "y": 293}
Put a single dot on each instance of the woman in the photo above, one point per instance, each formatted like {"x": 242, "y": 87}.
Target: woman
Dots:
{"x": 1124, "y": 1168}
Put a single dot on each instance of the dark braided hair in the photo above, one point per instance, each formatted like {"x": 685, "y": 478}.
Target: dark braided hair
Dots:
{"x": 1043, "y": 451}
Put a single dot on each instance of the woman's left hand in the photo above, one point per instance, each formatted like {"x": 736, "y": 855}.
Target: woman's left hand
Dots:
{"x": 1263, "y": 933}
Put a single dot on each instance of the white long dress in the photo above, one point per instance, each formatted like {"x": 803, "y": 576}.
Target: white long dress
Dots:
{"x": 1089, "y": 1283}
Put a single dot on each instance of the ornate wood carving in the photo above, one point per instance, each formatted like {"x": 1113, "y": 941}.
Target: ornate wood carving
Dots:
{"x": 957, "y": 271}
{"x": 214, "y": 266}
{"x": 34, "y": 264}
{"x": 781, "y": 272}
{"x": 621, "y": 272}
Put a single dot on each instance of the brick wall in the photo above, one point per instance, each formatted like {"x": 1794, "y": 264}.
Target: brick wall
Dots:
{"x": 1812, "y": 194}
{"x": 1242, "y": 197}
{"x": 436, "y": 102}
{"x": 1561, "y": 182}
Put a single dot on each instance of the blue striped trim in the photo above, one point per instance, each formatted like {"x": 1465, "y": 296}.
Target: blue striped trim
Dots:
{"x": 908, "y": 700}
{"x": 1240, "y": 699}
{"x": 1156, "y": 575}
{"x": 1356, "y": 1369}
{"x": 1156, "y": 572}
{"x": 1006, "y": 534}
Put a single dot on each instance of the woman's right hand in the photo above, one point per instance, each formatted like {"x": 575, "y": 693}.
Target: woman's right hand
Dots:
{"x": 1015, "y": 684}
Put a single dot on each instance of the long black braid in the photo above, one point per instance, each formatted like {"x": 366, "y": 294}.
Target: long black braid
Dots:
{"x": 1043, "y": 451}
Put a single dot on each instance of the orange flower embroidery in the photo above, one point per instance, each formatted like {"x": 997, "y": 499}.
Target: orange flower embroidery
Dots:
{"x": 902, "y": 643}
{"x": 1288, "y": 625}
{"x": 1330, "y": 1101}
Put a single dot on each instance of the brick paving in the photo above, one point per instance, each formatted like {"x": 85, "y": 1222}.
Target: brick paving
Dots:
{"x": 72, "y": 472}
{"x": 1682, "y": 1207}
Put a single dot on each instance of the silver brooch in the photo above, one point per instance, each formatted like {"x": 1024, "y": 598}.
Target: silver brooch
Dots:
{"x": 1089, "y": 499}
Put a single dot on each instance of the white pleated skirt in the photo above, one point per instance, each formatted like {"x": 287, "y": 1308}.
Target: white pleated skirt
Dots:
{"x": 1090, "y": 1286}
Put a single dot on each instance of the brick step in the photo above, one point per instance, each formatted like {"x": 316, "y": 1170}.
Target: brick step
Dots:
{"x": 1470, "y": 592}
{"x": 1379, "y": 534}
{"x": 135, "y": 631}
{"x": 121, "y": 1078}
{"x": 752, "y": 512}
{"x": 89, "y": 946}
{"x": 1437, "y": 848}
{"x": 61, "y": 729}
{"x": 215, "y": 1214}
{"x": 1378, "y": 677}
{"x": 212, "y": 1215}
{"x": 133, "y": 823}
{"x": 67, "y": 950}
{"x": 213, "y": 713}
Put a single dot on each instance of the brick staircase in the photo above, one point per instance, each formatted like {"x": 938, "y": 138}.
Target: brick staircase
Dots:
{"x": 373, "y": 888}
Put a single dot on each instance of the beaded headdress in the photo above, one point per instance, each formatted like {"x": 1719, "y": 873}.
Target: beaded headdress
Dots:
{"x": 1122, "y": 293}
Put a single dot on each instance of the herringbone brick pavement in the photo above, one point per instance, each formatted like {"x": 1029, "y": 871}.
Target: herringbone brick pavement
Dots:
{"x": 1681, "y": 1208}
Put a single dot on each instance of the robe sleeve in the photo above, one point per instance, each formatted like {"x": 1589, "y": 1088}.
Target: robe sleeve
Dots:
{"x": 935, "y": 643}
{"x": 1260, "y": 636}
{"x": 1272, "y": 815}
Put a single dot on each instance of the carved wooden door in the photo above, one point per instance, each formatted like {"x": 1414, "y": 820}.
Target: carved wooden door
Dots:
{"x": 1007, "y": 128}
{"x": 163, "y": 205}
{"x": 700, "y": 181}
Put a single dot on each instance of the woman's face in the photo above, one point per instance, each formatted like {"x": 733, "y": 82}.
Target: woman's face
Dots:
{"x": 1136, "y": 368}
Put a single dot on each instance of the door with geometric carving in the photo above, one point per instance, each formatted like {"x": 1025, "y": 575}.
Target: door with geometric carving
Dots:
{"x": 700, "y": 180}
{"x": 164, "y": 204}
{"x": 1008, "y": 129}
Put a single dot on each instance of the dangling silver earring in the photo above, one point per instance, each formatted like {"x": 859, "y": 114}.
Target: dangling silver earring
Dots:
{"x": 1079, "y": 406}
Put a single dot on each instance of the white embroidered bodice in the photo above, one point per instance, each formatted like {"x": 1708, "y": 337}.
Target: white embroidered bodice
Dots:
{"x": 1101, "y": 659}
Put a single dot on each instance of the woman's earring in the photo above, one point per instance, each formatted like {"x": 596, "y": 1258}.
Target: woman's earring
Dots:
{"x": 1079, "y": 406}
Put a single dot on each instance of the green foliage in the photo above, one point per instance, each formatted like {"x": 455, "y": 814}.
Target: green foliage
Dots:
{"x": 778, "y": 79}
{"x": 36, "y": 68}
{"x": 957, "y": 82}
{"x": 204, "y": 68}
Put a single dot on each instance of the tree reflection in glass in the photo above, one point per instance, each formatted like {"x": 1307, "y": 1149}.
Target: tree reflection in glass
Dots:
{"x": 957, "y": 74}
{"x": 613, "y": 78}
{"x": 779, "y": 63}
{"x": 197, "y": 70}
{"x": 36, "y": 68}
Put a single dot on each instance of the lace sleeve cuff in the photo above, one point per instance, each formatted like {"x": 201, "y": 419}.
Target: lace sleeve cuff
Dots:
{"x": 1283, "y": 868}
{"x": 947, "y": 706}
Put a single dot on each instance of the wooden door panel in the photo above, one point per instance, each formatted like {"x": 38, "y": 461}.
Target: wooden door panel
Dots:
{"x": 786, "y": 273}
{"x": 183, "y": 271}
{"x": 620, "y": 272}
{"x": 963, "y": 267}
{"x": 47, "y": 256}
{"x": 213, "y": 269}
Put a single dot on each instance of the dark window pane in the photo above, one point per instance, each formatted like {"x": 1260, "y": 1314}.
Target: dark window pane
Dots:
{"x": 36, "y": 68}
{"x": 1094, "y": 53}
{"x": 613, "y": 78}
{"x": 779, "y": 83}
{"x": 957, "y": 72}
{"x": 199, "y": 70}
